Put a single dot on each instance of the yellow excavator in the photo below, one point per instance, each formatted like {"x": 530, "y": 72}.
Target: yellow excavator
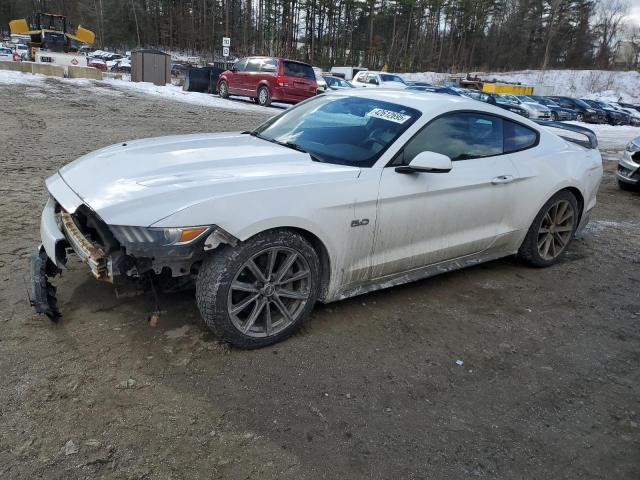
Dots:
{"x": 49, "y": 32}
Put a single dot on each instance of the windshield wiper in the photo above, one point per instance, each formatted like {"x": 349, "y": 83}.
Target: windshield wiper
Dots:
{"x": 295, "y": 146}
{"x": 292, "y": 145}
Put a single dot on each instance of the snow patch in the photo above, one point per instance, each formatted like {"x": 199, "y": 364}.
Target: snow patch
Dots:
{"x": 8, "y": 77}
{"x": 106, "y": 86}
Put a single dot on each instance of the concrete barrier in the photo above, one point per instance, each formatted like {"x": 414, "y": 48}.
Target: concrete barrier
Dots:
{"x": 45, "y": 69}
{"x": 24, "y": 67}
{"x": 114, "y": 76}
{"x": 85, "y": 72}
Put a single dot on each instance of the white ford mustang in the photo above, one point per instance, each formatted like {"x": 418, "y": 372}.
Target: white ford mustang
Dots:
{"x": 341, "y": 195}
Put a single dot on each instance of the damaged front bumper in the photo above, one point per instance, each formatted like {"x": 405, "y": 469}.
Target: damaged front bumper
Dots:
{"x": 114, "y": 254}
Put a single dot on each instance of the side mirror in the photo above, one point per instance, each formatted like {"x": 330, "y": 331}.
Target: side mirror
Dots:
{"x": 427, "y": 162}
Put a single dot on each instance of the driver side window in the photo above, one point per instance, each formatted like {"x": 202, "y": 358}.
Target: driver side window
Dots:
{"x": 460, "y": 136}
{"x": 239, "y": 65}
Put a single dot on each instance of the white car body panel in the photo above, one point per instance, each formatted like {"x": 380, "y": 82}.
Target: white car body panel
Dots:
{"x": 417, "y": 224}
{"x": 6, "y": 55}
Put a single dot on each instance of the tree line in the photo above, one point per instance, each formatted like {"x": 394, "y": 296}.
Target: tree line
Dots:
{"x": 404, "y": 35}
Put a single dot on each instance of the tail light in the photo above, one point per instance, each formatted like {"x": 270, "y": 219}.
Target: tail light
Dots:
{"x": 280, "y": 80}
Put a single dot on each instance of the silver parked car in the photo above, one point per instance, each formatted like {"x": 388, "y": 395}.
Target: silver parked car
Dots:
{"x": 628, "y": 173}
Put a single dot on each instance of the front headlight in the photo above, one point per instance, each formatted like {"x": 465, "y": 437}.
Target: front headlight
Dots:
{"x": 157, "y": 236}
{"x": 633, "y": 147}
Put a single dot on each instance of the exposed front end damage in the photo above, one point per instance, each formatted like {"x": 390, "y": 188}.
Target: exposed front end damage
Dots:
{"x": 128, "y": 257}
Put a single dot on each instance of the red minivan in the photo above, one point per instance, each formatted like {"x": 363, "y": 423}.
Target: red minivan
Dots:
{"x": 267, "y": 79}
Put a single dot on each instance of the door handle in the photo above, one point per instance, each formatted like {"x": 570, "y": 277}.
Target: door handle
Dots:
{"x": 502, "y": 179}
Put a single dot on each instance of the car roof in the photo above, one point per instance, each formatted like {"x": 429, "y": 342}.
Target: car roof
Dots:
{"x": 276, "y": 58}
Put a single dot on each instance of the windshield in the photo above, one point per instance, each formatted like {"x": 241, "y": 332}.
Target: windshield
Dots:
{"x": 339, "y": 129}
{"x": 580, "y": 103}
{"x": 547, "y": 102}
{"x": 524, "y": 98}
{"x": 338, "y": 82}
{"x": 505, "y": 100}
{"x": 513, "y": 99}
{"x": 385, "y": 77}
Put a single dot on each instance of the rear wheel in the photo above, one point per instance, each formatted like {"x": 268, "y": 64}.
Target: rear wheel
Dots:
{"x": 551, "y": 231}
{"x": 259, "y": 292}
{"x": 223, "y": 89}
{"x": 264, "y": 97}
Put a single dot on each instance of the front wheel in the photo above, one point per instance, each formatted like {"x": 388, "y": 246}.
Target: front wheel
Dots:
{"x": 264, "y": 97}
{"x": 554, "y": 116}
{"x": 260, "y": 291}
{"x": 551, "y": 231}
{"x": 580, "y": 117}
{"x": 628, "y": 187}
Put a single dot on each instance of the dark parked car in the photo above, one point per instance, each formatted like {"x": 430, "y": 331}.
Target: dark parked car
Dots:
{"x": 337, "y": 83}
{"x": 267, "y": 79}
{"x": 179, "y": 68}
{"x": 433, "y": 89}
{"x": 557, "y": 112}
{"x": 419, "y": 84}
{"x": 633, "y": 106}
{"x": 503, "y": 102}
{"x": 614, "y": 117}
{"x": 586, "y": 113}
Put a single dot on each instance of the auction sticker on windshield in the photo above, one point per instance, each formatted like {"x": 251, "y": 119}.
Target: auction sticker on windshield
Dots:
{"x": 388, "y": 115}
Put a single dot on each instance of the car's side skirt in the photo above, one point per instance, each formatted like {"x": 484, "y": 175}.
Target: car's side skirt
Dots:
{"x": 419, "y": 274}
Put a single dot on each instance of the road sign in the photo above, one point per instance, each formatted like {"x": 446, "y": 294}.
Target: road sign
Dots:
{"x": 225, "y": 51}
{"x": 226, "y": 41}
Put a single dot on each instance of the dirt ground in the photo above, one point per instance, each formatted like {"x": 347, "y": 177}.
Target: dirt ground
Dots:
{"x": 370, "y": 389}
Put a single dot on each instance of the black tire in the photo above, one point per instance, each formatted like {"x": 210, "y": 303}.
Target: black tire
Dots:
{"x": 530, "y": 249}
{"x": 223, "y": 89}
{"x": 554, "y": 116}
{"x": 223, "y": 266}
{"x": 628, "y": 187}
{"x": 264, "y": 96}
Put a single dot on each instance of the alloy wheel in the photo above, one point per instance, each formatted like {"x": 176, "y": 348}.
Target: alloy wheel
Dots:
{"x": 223, "y": 89}
{"x": 555, "y": 230}
{"x": 269, "y": 292}
{"x": 263, "y": 95}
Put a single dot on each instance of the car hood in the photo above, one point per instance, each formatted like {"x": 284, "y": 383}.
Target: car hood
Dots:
{"x": 143, "y": 181}
{"x": 536, "y": 106}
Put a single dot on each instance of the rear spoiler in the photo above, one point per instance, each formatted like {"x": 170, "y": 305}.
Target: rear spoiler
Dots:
{"x": 591, "y": 142}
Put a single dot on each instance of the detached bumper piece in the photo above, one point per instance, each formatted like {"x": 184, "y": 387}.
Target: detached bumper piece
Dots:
{"x": 93, "y": 256}
{"x": 43, "y": 293}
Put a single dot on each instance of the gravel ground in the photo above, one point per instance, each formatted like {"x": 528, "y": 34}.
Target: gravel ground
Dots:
{"x": 549, "y": 387}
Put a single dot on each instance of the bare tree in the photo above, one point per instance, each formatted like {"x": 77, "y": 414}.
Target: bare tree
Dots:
{"x": 608, "y": 18}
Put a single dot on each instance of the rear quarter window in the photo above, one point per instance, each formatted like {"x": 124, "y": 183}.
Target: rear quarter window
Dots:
{"x": 300, "y": 70}
{"x": 518, "y": 137}
{"x": 269, "y": 65}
